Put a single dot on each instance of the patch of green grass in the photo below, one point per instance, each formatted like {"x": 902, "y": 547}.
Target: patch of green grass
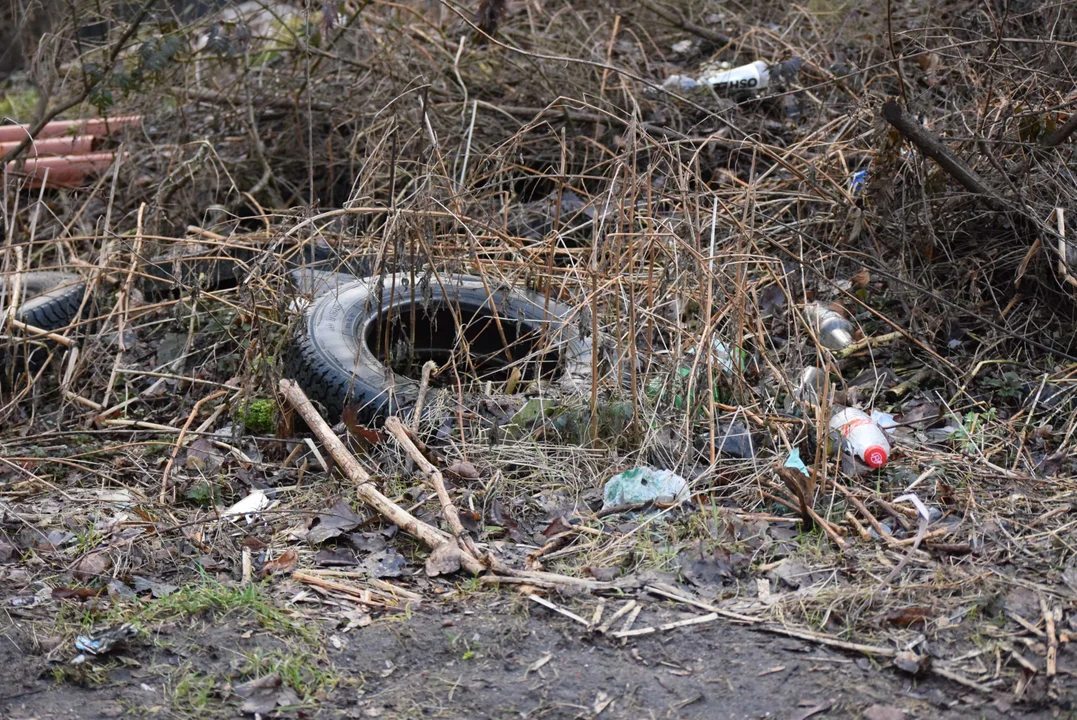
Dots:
{"x": 190, "y": 693}
{"x": 205, "y": 597}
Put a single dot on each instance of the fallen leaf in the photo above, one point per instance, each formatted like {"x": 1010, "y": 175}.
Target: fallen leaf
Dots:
{"x": 602, "y": 574}
{"x": 558, "y": 526}
{"x": 791, "y": 573}
{"x": 202, "y": 456}
{"x": 335, "y": 558}
{"x": 883, "y": 712}
{"x": 908, "y": 616}
{"x": 283, "y": 564}
{"x": 1069, "y": 576}
{"x": 367, "y": 541}
{"x": 350, "y": 419}
{"x": 260, "y": 694}
{"x": 471, "y": 521}
{"x": 91, "y": 566}
{"x": 462, "y": 470}
{"x": 921, "y": 416}
{"x": 334, "y": 522}
{"x": 912, "y": 663}
{"x": 771, "y": 299}
{"x": 81, "y": 593}
{"x": 156, "y": 589}
{"x": 502, "y": 517}
{"x": 811, "y": 709}
{"x": 444, "y": 560}
{"x": 385, "y": 563}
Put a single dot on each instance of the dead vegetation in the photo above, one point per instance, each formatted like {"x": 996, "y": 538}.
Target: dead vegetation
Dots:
{"x": 536, "y": 147}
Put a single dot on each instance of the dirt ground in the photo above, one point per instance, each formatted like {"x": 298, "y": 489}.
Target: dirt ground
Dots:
{"x": 498, "y": 658}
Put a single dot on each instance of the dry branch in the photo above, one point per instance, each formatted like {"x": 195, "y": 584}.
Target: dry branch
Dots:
{"x": 364, "y": 483}
{"x": 931, "y": 145}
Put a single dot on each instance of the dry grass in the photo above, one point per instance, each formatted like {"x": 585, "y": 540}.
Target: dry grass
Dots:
{"x": 547, "y": 158}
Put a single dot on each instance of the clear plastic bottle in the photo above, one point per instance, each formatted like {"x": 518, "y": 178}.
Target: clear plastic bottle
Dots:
{"x": 833, "y": 330}
{"x": 860, "y": 435}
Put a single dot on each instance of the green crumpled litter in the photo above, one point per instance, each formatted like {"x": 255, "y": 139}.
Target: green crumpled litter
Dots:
{"x": 644, "y": 484}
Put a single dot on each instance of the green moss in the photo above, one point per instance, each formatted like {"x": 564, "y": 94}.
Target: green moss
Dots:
{"x": 259, "y": 416}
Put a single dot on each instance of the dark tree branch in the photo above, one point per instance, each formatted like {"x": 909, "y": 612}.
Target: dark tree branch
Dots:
{"x": 930, "y": 145}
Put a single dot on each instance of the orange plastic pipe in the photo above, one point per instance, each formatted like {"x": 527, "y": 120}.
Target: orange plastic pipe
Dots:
{"x": 60, "y": 128}
{"x": 63, "y": 171}
{"x": 53, "y": 146}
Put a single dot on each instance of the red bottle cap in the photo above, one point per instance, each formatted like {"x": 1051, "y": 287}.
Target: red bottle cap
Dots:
{"x": 875, "y": 456}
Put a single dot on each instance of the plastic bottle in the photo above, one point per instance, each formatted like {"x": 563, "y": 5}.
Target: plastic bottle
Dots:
{"x": 752, "y": 77}
{"x": 833, "y": 330}
{"x": 860, "y": 435}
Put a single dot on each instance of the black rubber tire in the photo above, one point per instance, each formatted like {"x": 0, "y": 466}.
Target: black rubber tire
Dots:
{"x": 50, "y": 301}
{"x": 332, "y": 361}
{"x": 220, "y": 267}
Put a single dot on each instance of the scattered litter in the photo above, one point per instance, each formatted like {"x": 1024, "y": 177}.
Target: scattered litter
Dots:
{"x": 832, "y": 329}
{"x": 884, "y": 420}
{"x": 643, "y": 485}
{"x": 857, "y": 181}
{"x": 735, "y": 440}
{"x": 810, "y": 387}
{"x": 794, "y": 461}
{"x": 681, "y": 83}
{"x": 740, "y": 81}
{"x": 249, "y": 507}
{"x": 860, "y": 436}
{"x": 751, "y": 78}
{"x": 103, "y": 642}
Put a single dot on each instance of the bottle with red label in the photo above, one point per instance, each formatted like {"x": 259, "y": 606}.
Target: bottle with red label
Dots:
{"x": 860, "y": 435}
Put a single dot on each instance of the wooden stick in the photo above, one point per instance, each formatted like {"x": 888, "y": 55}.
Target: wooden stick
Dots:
{"x": 1052, "y": 637}
{"x": 429, "y": 535}
{"x": 557, "y": 609}
{"x": 47, "y": 334}
{"x": 668, "y": 626}
{"x": 621, "y": 612}
{"x": 428, "y": 367}
{"x": 355, "y": 593}
{"x": 452, "y": 515}
{"x": 179, "y": 441}
{"x": 867, "y": 342}
{"x": 879, "y": 529}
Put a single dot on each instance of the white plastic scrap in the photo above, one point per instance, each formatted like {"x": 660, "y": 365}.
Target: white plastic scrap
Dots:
{"x": 248, "y": 507}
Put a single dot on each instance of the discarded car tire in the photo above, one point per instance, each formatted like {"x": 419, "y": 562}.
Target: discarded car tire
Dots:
{"x": 49, "y": 301}
{"x": 213, "y": 268}
{"x": 338, "y": 352}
